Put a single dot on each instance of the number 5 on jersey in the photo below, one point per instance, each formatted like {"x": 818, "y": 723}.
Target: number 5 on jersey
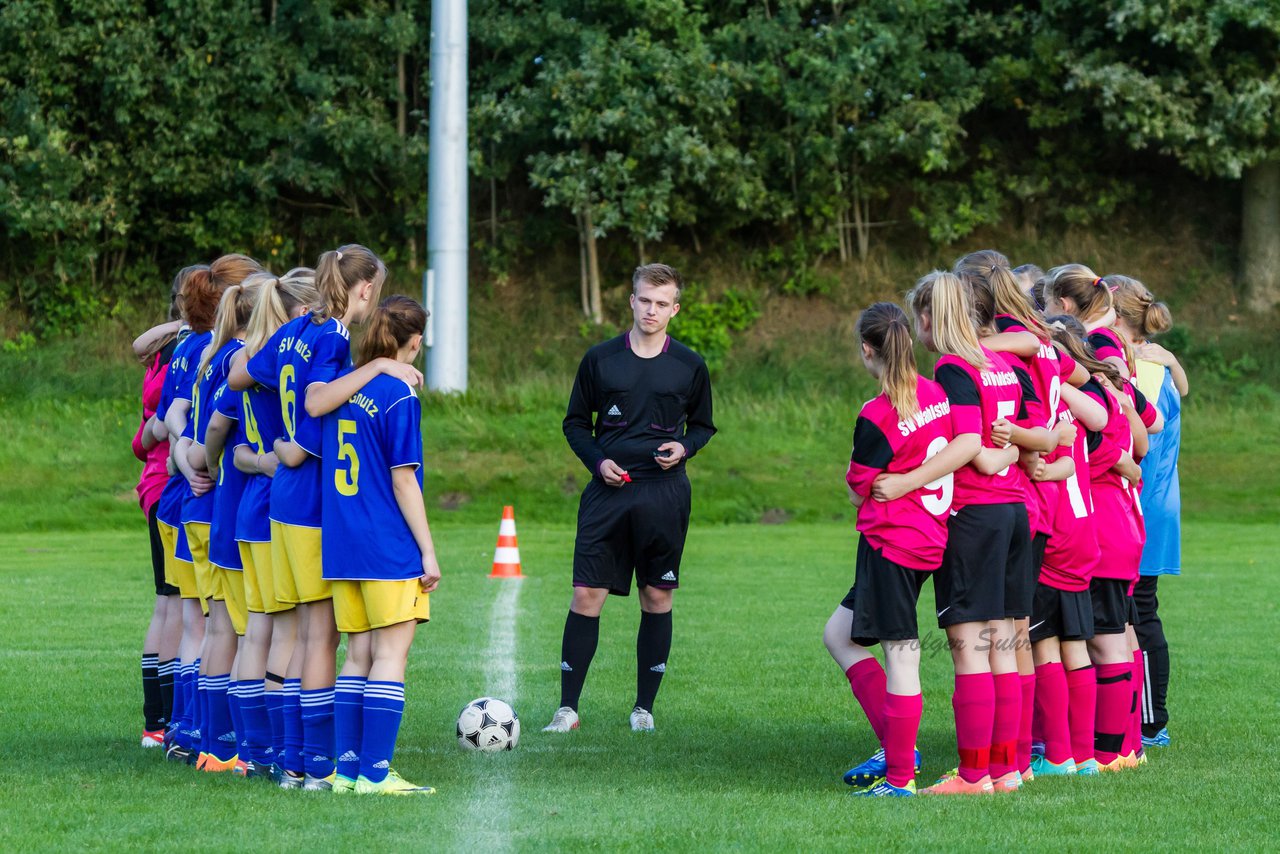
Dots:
{"x": 347, "y": 482}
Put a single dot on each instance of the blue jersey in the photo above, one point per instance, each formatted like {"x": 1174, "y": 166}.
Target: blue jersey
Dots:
{"x": 223, "y": 550}
{"x": 300, "y": 354}
{"x": 364, "y": 535}
{"x": 177, "y": 386}
{"x": 200, "y": 508}
{"x": 1161, "y": 499}
{"x": 259, "y": 428}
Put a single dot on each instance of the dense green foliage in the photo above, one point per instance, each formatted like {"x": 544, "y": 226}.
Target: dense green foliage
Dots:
{"x": 137, "y": 136}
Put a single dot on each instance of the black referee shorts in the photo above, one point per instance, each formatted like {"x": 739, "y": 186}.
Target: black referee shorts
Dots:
{"x": 638, "y": 528}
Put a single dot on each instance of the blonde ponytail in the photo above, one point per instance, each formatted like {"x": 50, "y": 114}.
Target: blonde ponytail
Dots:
{"x": 278, "y": 298}
{"x": 234, "y": 310}
{"x": 947, "y": 302}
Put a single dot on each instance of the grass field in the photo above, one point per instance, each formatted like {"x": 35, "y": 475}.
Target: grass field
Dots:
{"x": 755, "y": 723}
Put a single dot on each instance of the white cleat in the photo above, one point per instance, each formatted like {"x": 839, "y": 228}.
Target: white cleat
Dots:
{"x": 564, "y": 720}
{"x": 641, "y": 720}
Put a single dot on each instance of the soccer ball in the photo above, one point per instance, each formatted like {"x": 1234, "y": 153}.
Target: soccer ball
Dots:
{"x": 488, "y": 724}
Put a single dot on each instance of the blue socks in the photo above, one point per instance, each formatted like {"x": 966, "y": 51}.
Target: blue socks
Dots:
{"x": 274, "y": 701}
{"x": 292, "y": 729}
{"x": 317, "y": 732}
{"x": 383, "y": 711}
{"x": 217, "y": 731}
{"x": 237, "y": 719}
{"x": 255, "y": 744}
{"x": 348, "y": 716}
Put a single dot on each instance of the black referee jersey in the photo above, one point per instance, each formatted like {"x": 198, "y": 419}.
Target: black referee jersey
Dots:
{"x": 624, "y": 406}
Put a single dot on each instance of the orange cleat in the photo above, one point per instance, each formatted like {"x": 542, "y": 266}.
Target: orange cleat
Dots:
{"x": 954, "y": 784}
{"x": 1010, "y": 782}
{"x": 214, "y": 765}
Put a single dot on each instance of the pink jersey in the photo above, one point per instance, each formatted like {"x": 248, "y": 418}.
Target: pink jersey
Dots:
{"x": 1117, "y": 509}
{"x": 911, "y": 531}
{"x": 154, "y": 472}
{"x": 1106, "y": 344}
{"x": 1071, "y": 554}
{"x": 1049, "y": 369}
{"x": 979, "y": 397}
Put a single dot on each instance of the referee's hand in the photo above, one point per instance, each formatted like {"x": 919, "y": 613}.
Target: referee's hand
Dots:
{"x": 612, "y": 473}
{"x": 670, "y": 453}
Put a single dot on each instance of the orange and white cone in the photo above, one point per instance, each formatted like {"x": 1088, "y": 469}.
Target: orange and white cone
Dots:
{"x": 506, "y": 557}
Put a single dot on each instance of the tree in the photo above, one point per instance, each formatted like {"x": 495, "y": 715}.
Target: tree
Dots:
{"x": 634, "y": 112}
{"x": 1198, "y": 80}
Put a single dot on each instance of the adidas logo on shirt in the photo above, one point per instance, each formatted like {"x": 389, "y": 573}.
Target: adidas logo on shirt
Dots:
{"x": 659, "y": 668}
{"x": 669, "y": 576}
{"x": 614, "y": 411}
{"x": 564, "y": 665}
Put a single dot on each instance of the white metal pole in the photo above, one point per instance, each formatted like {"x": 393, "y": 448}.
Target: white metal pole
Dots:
{"x": 445, "y": 282}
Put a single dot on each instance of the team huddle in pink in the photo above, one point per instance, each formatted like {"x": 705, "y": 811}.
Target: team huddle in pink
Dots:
{"x": 1012, "y": 479}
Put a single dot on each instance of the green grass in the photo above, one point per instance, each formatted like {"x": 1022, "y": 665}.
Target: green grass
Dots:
{"x": 755, "y": 723}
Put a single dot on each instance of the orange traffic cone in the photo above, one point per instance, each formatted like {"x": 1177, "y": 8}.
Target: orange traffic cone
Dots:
{"x": 506, "y": 557}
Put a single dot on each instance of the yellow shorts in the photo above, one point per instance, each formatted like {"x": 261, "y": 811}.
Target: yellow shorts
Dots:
{"x": 228, "y": 586}
{"x": 183, "y": 571}
{"x": 295, "y": 564}
{"x": 259, "y": 582}
{"x": 169, "y": 542}
{"x": 198, "y": 540}
{"x": 360, "y": 606}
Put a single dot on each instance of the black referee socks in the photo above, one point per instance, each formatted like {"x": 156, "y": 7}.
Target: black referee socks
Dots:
{"x": 653, "y": 645}
{"x": 578, "y": 647}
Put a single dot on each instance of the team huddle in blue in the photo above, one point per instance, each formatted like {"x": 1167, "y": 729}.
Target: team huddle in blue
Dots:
{"x": 291, "y": 512}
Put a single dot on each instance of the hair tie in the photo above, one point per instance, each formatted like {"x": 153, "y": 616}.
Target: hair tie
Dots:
{"x": 1097, "y": 283}
{"x": 340, "y": 257}
{"x": 994, "y": 268}
{"x": 1058, "y": 325}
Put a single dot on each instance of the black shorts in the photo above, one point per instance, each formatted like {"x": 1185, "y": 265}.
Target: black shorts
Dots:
{"x": 1062, "y": 614}
{"x": 1111, "y": 605}
{"x": 639, "y": 527}
{"x": 157, "y": 554}
{"x": 984, "y": 543}
{"x": 883, "y": 598}
{"x": 1023, "y": 568}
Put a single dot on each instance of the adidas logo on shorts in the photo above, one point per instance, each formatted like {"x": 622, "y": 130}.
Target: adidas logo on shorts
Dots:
{"x": 349, "y": 756}
{"x": 614, "y": 411}
{"x": 669, "y": 576}
{"x": 659, "y": 668}
{"x": 564, "y": 665}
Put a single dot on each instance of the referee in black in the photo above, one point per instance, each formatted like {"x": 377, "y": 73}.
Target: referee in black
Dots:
{"x": 641, "y": 406}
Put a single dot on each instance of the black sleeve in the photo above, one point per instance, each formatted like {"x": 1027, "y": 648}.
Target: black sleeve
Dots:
{"x": 1139, "y": 399}
{"x": 1100, "y": 339}
{"x": 960, "y": 388}
{"x": 1028, "y": 392}
{"x": 578, "y": 425}
{"x": 699, "y": 427}
{"x": 870, "y": 447}
{"x": 1003, "y": 324}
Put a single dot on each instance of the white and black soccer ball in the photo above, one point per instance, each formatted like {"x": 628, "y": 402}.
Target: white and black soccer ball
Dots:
{"x": 488, "y": 724}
